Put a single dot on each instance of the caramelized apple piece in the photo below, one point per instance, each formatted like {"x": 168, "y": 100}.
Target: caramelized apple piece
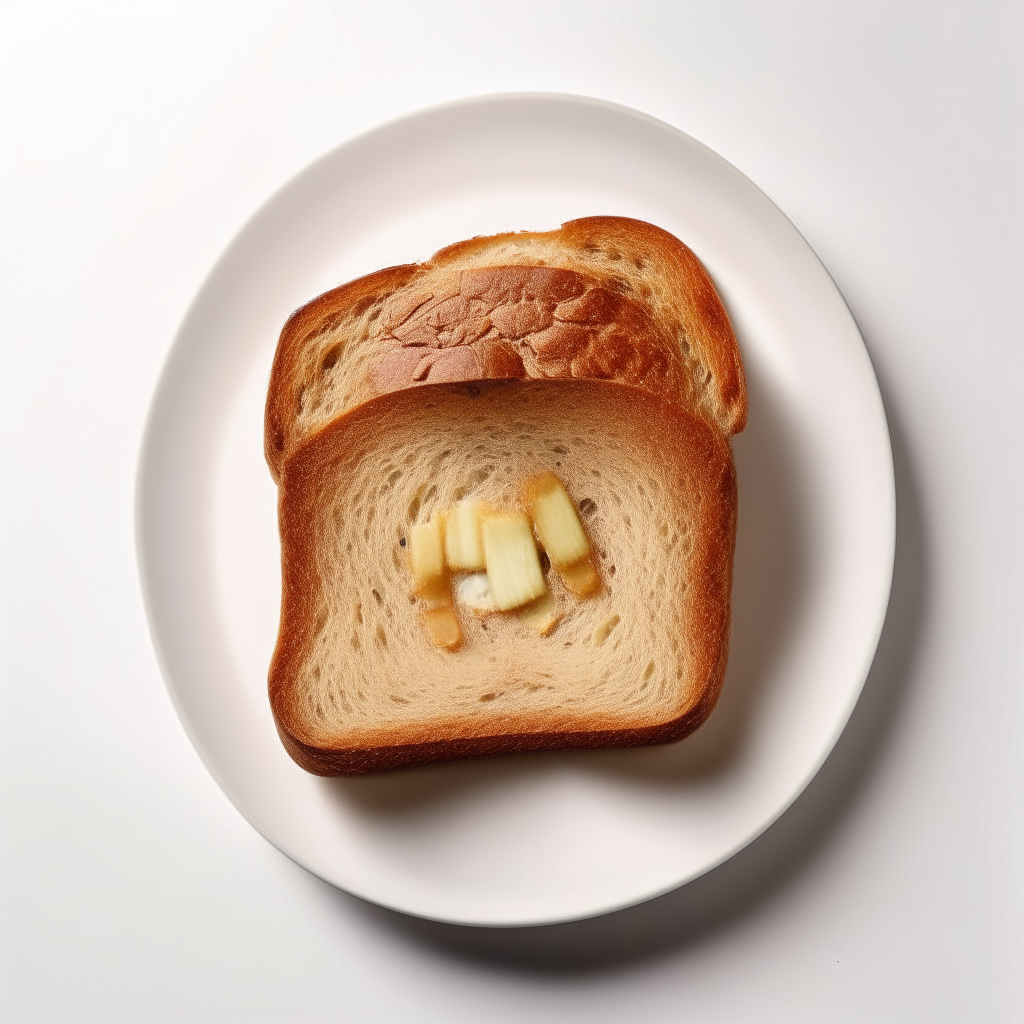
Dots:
{"x": 426, "y": 556}
{"x": 443, "y": 624}
{"x": 542, "y": 615}
{"x": 558, "y": 525}
{"x": 463, "y": 541}
{"x": 512, "y": 563}
{"x": 581, "y": 578}
{"x": 430, "y": 582}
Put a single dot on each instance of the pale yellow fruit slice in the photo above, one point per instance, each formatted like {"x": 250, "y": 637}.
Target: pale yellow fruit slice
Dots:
{"x": 426, "y": 556}
{"x": 582, "y": 578}
{"x": 443, "y": 625}
{"x": 513, "y": 566}
{"x": 541, "y": 615}
{"x": 558, "y": 525}
{"x": 463, "y": 539}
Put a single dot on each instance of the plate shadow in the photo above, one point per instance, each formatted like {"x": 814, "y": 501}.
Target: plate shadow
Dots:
{"x": 686, "y": 915}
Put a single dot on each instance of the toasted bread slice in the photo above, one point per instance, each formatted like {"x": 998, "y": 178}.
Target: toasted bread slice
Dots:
{"x": 357, "y": 685}
{"x": 600, "y": 298}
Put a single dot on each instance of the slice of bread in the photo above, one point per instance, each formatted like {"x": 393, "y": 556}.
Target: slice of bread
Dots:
{"x": 356, "y": 684}
{"x": 600, "y": 298}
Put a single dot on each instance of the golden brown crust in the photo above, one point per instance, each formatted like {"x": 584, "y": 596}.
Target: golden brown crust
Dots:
{"x": 315, "y": 318}
{"x": 705, "y": 320}
{"x": 600, "y": 298}
{"x": 503, "y": 322}
{"x": 696, "y": 463}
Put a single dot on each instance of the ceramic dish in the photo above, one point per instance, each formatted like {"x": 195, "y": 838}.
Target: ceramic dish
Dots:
{"x": 548, "y": 837}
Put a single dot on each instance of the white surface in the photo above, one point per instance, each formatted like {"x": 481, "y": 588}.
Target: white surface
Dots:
{"x": 137, "y": 141}
{"x": 538, "y": 839}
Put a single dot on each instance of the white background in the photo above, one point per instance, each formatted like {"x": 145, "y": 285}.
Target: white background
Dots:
{"x": 137, "y": 140}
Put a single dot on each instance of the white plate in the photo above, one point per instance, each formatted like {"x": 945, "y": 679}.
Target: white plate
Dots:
{"x": 546, "y": 837}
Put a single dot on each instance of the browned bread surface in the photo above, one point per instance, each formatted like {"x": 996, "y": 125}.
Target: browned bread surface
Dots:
{"x": 600, "y": 298}
{"x": 355, "y": 683}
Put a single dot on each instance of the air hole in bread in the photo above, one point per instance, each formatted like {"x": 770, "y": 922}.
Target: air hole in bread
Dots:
{"x": 604, "y": 630}
{"x": 330, "y": 357}
{"x": 587, "y": 507}
{"x": 487, "y": 696}
{"x": 414, "y": 506}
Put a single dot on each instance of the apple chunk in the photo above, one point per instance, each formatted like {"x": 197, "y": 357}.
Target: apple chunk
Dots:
{"x": 443, "y": 626}
{"x": 542, "y": 615}
{"x": 581, "y": 578}
{"x": 430, "y": 583}
{"x": 426, "y": 556}
{"x": 513, "y": 566}
{"x": 558, "y": 525}
{"x": 463, "y": 543}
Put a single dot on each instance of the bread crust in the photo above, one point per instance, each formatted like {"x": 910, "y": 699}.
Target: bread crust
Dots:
{"x": 694, "y": 458}
{"x": 311, "y": 320}
{"x": 600, "y": 298}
